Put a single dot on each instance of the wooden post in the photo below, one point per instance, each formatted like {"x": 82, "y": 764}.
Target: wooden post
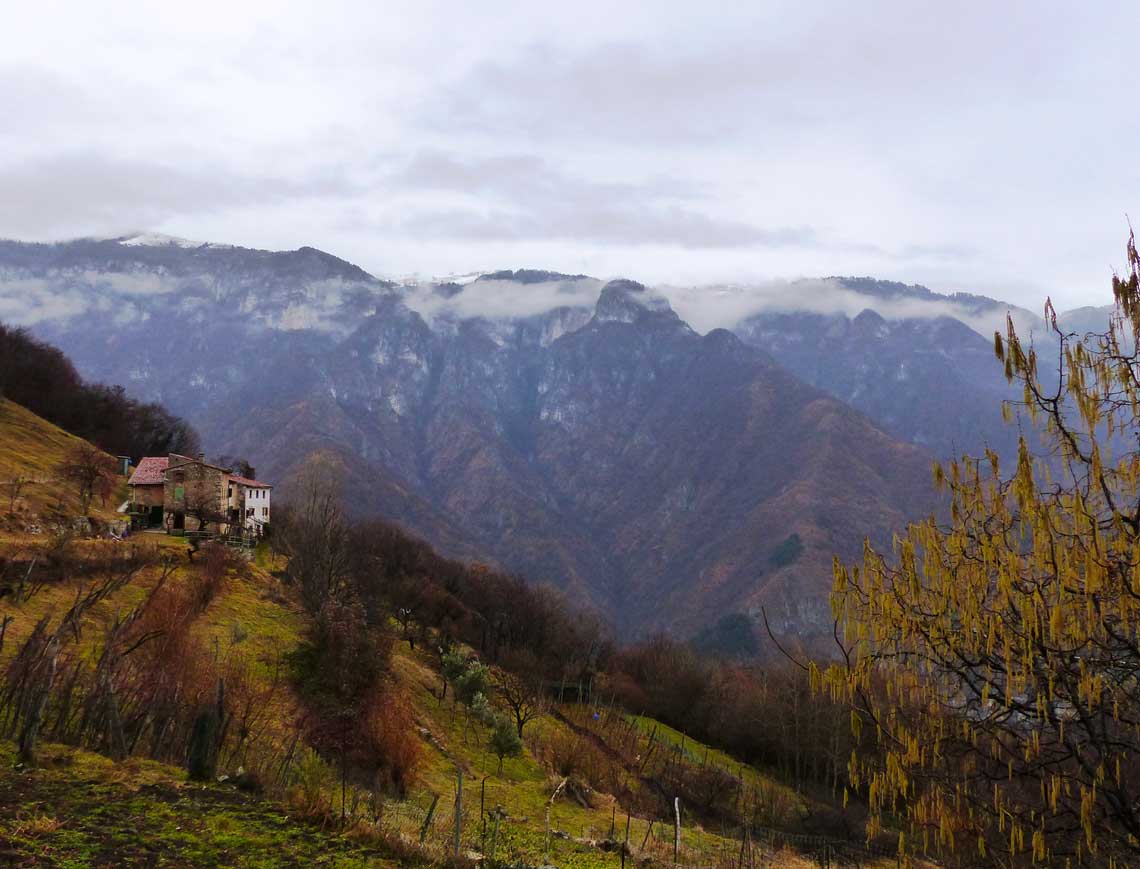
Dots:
{"x": 427, "y": 820}
{"x": 676, "y": 828}
{"x": 652, "y": 821}
{"x": 458, "y": 806}
{"x": 483, "y": 816}
{"x": 495, "y": 836}
{"x": 613, "y": 819}
{"x": 625, "y": 844}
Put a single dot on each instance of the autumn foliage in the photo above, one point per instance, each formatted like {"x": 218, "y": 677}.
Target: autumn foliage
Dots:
{"x": 994, "y": 659}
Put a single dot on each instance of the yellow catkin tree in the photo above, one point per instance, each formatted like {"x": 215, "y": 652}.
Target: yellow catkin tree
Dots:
{"x": 992, "y": 662}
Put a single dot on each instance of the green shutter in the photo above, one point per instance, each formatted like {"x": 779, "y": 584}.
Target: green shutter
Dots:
{"x": 179, "y": 493}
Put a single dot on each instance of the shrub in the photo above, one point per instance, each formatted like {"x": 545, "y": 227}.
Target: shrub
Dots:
{"x": 504, "y": 740}
{"x": 390, "y": 742}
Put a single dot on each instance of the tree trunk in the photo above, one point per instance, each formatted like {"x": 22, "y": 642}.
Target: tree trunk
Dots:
{"x": 34, "y": 718}
{"x": 202, "y": 763}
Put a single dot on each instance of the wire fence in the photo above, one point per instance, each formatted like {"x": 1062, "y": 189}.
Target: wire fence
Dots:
{"x": 492, "y": 832}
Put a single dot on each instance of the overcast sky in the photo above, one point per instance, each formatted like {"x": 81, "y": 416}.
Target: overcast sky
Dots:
{"x": 986, "y": 147}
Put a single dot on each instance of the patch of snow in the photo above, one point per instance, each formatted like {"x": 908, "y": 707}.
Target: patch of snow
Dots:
{"x": 158, "y": 239}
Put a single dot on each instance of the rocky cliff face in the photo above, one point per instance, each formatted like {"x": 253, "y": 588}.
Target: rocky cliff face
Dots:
{"x": 930, "y": 381}
{"x": 666, "y": 476}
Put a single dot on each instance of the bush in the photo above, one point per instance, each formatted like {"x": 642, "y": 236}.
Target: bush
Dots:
{"x": 505, "y": 740}
{"x": 391, "y": 744}
{"x": 208, "y": 579}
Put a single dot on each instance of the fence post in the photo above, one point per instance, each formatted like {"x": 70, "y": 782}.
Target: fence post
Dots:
{"x": 625, "y": 844}
{"x": 483, "y": 816}
{"x": 676, "y": 828}
{"x": 458, "y": 806}
{"x": 427, "y": 820}
{"x": 648, "y": 832}
{"x": 495, "y": 836}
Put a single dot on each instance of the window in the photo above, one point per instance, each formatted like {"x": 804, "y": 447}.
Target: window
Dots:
{"x": 230, "y": 492}
{"x": 265, "y": 512}
{"x": 179, "y": 493}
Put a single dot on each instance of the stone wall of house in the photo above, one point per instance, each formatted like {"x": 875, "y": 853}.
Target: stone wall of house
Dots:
{"x": 193, "y": 487}
{"x": 148, "y": 496}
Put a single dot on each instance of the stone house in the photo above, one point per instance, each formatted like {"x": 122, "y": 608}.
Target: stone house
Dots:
{"x": 183, "y": 494}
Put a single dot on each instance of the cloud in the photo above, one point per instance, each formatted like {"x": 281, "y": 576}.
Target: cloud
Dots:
{"x": 716, "y": 306}
{"x": 980, "y": 147}
{"x": 710, "y": 307}
{"x": 495, "y": 299}
{"x": 82, "y": 193}
{"x": 522, "y": 197}
{"x": 27, "y": 301}
{"x": 766, "y": 72}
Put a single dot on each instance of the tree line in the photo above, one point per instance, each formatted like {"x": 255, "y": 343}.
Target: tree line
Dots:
{"x": 41, "y": 378}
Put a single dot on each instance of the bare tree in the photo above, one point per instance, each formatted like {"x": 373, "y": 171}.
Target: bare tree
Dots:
{"x": 314, "y": 534}
{"x": 237, "y": 464}
{"x": 521, "y": 688}
{"x": 203, "y": 506}
{"x": 15, "y": 488}
{"x": 88, "y": 470}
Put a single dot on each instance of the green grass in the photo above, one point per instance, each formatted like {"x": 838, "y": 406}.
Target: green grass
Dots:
{"x": 698, "y": 752}
{"x": 253, "y": 617}
{"x": 82, "y": 810}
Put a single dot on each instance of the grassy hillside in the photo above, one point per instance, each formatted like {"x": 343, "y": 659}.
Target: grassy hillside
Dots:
{"x": 585, "y": 776}
{"x": 80, "y": 809}
{"x": 31, "y": 447}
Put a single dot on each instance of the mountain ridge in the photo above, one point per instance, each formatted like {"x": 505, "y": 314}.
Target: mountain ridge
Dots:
{"x": 609, "y": 448}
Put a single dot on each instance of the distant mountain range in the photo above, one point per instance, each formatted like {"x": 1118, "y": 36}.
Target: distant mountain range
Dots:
{"x": 577, "y": 431}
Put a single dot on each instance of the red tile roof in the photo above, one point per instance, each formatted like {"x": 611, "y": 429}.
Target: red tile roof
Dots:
{"x": 150, "y": 471}
{"x": 245, "y": 481}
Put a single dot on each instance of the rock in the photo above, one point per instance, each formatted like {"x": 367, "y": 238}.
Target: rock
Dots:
{"x": 248, "y": 782}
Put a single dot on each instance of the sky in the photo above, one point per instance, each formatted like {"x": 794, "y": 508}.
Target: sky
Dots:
{"x": 976, "y": 147}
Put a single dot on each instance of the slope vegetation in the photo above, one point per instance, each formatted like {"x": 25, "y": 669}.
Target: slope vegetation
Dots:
{"x": 33, "y": 448}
